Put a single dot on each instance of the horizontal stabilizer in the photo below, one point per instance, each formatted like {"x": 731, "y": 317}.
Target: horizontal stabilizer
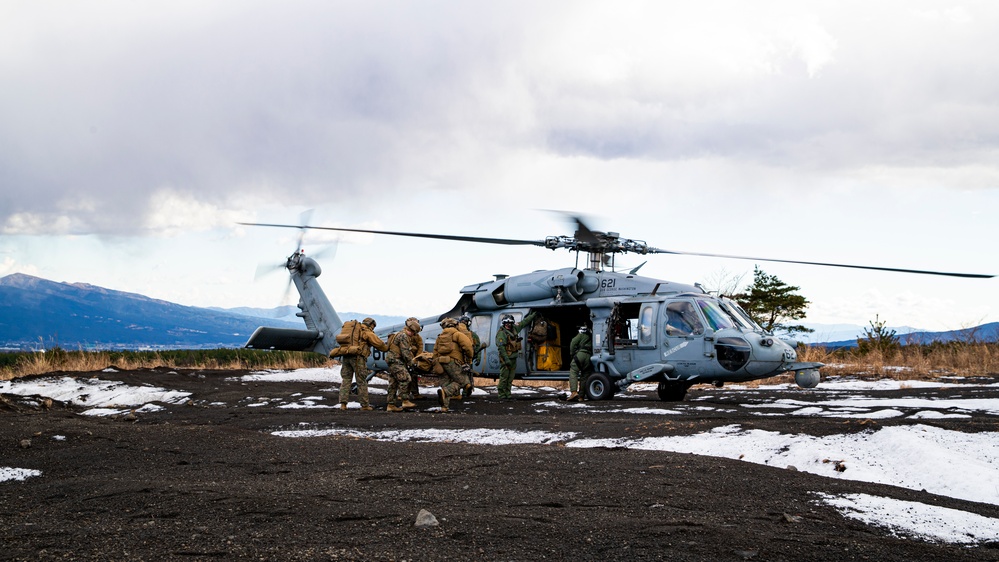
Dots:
{"x": 283, "y": 338}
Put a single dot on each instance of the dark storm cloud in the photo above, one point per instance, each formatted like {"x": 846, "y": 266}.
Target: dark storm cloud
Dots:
{"x": 106, "y": 106}
{"x": 315, "y": 101}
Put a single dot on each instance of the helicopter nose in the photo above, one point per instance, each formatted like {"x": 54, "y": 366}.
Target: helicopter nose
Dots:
{"x": 769, "y": 348}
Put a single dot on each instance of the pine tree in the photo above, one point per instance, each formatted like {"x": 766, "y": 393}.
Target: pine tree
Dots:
{"x": 773, "y": 303}
{"x": 878, "y": 338}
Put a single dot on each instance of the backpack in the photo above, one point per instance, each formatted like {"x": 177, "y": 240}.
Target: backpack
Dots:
{"x": 539, "y": 332}
{"x": 350, "y": 333}
{"x": 348, "y": 340}
{"x": 393, "y": 347}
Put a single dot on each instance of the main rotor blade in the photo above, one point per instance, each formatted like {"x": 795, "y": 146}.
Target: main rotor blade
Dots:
{"x": 504, "y": 241}
{"x": 303, "y": 219}
{"x": 871, "y": 267}
{"x": 584, "y": 233}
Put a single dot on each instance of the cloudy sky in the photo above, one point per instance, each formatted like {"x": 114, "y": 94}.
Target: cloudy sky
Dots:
{"x": 133, "y": 136}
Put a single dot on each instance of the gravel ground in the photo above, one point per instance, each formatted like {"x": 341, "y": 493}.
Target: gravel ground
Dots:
{"x": 210, "y": 479}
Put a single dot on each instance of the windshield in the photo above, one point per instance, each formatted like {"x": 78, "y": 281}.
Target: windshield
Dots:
{"x": 716, "y": 317}
{"x": 735, "y": 315}
{"x": 744, "y": 315}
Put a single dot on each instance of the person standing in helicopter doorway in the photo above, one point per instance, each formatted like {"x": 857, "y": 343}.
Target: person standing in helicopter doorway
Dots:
{"x": 453, "y": 351}
{"x": 354, "y": 363}
{"x": 580, "y": 350}
{"x": 465, "y": 327}
{"x": 508, "y": 345}
{"x": 400, "y": 359}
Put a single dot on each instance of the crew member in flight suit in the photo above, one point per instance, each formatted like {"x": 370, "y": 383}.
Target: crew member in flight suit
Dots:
{"x": 580, "y": 350}
{"x": 508, "y": 345}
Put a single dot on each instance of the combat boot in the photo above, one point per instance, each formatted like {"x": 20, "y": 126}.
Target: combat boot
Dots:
{"x": 343, "y": 406}
{"x": 574, "y": 397}
{"x": 392, "y": 408}
{"x": 367, "y": 408}
{"x": 467, "y": 391}
{"x": 442, "y": 399}
{"x": 407, "y": 404}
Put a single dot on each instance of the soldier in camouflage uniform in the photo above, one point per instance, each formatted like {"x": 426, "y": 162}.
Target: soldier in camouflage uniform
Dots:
{"x": 399, "y": 359}
{"x": 416, "y": 344}
{"x": 508, "y": 345}
{"x": 453, "y": 351}
{"x": 465, "y": 327}
{"x": 354, "y": 366}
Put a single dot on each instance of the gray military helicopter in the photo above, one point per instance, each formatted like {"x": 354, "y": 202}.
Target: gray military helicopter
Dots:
{"x": 644, "y": 329}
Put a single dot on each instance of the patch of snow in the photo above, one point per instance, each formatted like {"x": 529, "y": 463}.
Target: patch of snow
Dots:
{"x": 102, "y": 412}
{"x": 315, "y": 374}
{"x": 7, "y": 473}
{"x": 478, "y": 436}
{"x": 916, "y": 520}
{"x": 935, "y": 415}
{"x": 917, "y": 457}
{"x": 92, "y": 392}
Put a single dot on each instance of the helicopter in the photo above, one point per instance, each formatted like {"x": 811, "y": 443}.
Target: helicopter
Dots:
{"x": 643, "y": 329}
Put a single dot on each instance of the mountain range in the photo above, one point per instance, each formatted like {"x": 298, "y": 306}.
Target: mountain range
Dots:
{"x": 37, "y": 313}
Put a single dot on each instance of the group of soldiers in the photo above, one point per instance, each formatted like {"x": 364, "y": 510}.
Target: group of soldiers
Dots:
{"x": 456, "y": 350}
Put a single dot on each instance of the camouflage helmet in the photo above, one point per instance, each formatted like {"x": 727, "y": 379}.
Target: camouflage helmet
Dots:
{"x": 506, "y": 319}
{"x": 369, "y": 322}
{"x": 414, "y": 325}
{"x": 466, "y": 319}
{"x": 449, "y": 323}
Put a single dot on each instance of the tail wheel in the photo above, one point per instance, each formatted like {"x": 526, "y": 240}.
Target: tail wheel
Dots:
{"x": 599, "y": 387}
{"x": 672, "y": 391}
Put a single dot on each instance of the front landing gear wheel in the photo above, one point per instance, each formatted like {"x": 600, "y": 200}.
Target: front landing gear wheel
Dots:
{"x": 670, "y": 391}
{"x": 599, "y": 387}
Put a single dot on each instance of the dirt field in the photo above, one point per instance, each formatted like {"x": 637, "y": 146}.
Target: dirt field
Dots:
{"x": 210, "y": 479}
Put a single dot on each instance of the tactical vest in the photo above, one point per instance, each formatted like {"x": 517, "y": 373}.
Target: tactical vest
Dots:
{"x": 445, "y": 342}
{"x": 512, "y": 345}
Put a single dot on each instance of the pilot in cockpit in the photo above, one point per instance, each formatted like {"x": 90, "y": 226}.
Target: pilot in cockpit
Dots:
{"x": 681, "y": 319}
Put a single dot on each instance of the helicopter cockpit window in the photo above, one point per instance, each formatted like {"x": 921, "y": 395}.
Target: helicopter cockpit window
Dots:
{"x": 646, "y": 325}
{"x": 682, "y": 319}
{"x": 716, "y": 317}
{"x": 480, "y": 325}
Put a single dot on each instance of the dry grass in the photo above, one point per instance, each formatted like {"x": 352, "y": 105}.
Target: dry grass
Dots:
{"x": 57, "y": 360}
{"x": 913, "y": 362}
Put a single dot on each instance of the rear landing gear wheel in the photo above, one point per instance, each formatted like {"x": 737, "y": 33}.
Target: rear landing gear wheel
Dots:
{"x": 671, "y": 391}
{"x": 599, "y": 387}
